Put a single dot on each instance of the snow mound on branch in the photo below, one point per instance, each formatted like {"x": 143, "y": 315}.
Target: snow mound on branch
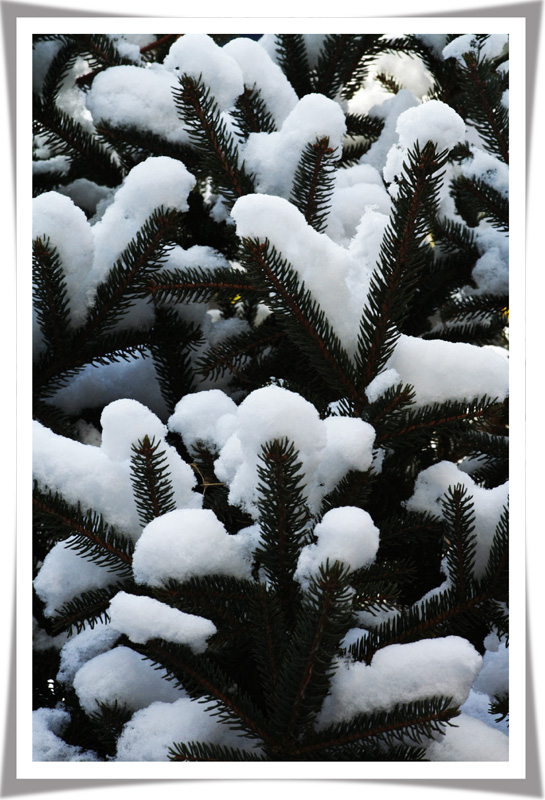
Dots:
{"x": 54, "y": 214}
{"x": 433, "y": 121}
{"x": 402, "y": 673}
{"x": 143, "y": 618}
{"x": 442, "y": 371}
{"x": 84, "y": 646}
{"x": 328, "y": 449}
{"x": 198, "y": 55}
{"x": 345, "y": 534}
{"x": 134, "y": 97}
{"x": 273, "y": 157}
{"x": 259, "y": 70}
{"x": 470, "y": 740}
{"x": 188, "y": 543}
{"x": 207, "y": 417}
{"x": 430, "y": 487}
{"x": 152, "y": 731}
{"x": 490, "y": 47}
{"x": 124, "y": 676}
{"x": 48, "y": 725}
{"x": 336, "y": 278}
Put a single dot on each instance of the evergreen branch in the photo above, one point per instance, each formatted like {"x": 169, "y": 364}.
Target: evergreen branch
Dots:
{"x": 365, "y": 125}
{"x": 314, "y": 182}
{"x": 418, "y": 722}
{"x": 232, "y": 355}
{"x": 203, "y": 751}
{"x": 152, "y": 488}
{"x": 266, "y": 621}
{"x": 403, "y": 254}
{"x": 60, "y": 66}
{"x": 125, "y": 282}
{"x": 50, "y": 296}
{"x": 203, "y": 680}
{"x": 251, "y": 115}
{"x": 210, "y": 136}
{"x": 484, "y": 89}
{"x": 475, "y": 200}
{"x": 353, "y": 489}
{"x": 220, "y": 598}
{"x": 66, "y": 136}
{"x": 293, "y": 60}
{"x": 88, "y": 608}
{"x": 283, "y": 519}
{"x": 324, "y": 619}
{"x": 470, "y": 307}
{"x": 52, "y": 372}
{"x": 134, "y": 144}
{"x": 454, "y": 237}
{"x": 459, "y": 538}
{"x": 496, "y": 576}
{"x": 300, "y": 314}
{"x": 412, "y": 425}
{"x": 86, "y": 532}
{"x": 196, "y": 284}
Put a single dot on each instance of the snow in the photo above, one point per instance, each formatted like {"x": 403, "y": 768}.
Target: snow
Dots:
{"x": 335, "y": 278}
{"x": 384, "y": 380}
{"x": 492, "y": 46}
{"x": 345, "y": 534}
{"x": 157, "y": 181}
{"x": 133, "y": 96}
{"x": 258, "y": 69}
{"x": 470, "y": 740}
{"x": 402, "y": 673}
{"x": 84, "y": 646}
{"x": 433, "y": 121}
{"x": 124, "y": 676}
{"x": 152, "y": 731}
{"x": 273, "y": 157}
{"x": 327, "y": 449}
{"x": 199, "y": 56}
{"x": 100, "y": 477}
{"x": 184, "y": 544}
{"x": 143, "y": 618}
{"x": 430, "y": 487}
{"x": 486, "y": 167}
{"x": 48, "y": 725}
{"x": 442, "y": 371}
{"x": 52, "y": 215}
{"x": 208, "y": 417}
{"x": 65, "y": 575}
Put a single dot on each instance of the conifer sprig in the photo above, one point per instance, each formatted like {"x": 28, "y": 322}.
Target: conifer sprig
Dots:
{"x": 402, "y": 257}
{"x": 152, "y": 488}
{"x": 460, "y": 541}
{"x": 209, "y": 134}
{"x": 300, "y": 315}
{"x": 83, "y": 531}
{"x": 50, "y": 295}
{"x": 314, "y": 181}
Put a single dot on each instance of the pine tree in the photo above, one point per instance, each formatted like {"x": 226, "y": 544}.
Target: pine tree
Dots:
{"x": 270, "y": 445}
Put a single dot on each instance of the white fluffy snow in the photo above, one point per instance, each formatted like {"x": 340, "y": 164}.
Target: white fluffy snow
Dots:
{"x": 491, "y": 47}
{"x": 430, "y": 487}
{"x": 208, "y": 416}
{"x": 441, "y": 370}
{"x": 48, "y": 725}
{"x": 433, "y": 121}
{"x": 273, "y": 157}
{"x": 345, "y": 534}
{"x": 124, "y": 676}
{"x": 328, "y": 449}
{"x": 187, "y": 543}
{"x": 52, "y": 215}
{"x": 259, "y": 70}
{"x": 84, "y": 646}
{"x": 402, "y": 673}
{"x": 132, "y": 96}
{"x": 152, "y": 731}
{"x": 142, "y": 618}
{"x": 470, "y": 740}
{"x": 336, "y": 279}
